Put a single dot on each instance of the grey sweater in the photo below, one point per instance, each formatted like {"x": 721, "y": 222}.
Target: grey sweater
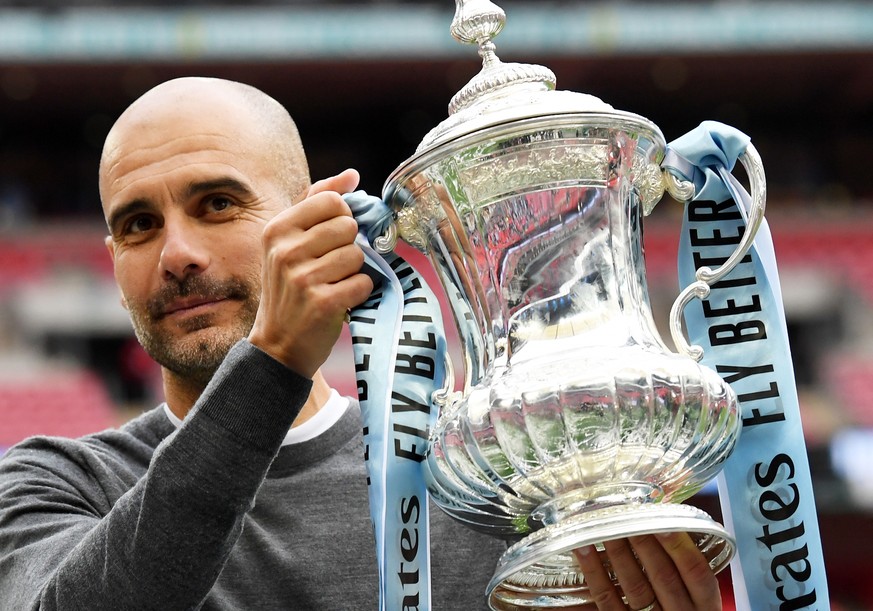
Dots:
{"x": 212, "y": 516}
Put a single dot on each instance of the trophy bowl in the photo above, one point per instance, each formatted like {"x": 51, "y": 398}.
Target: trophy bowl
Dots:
{"x": 576, "y": 424}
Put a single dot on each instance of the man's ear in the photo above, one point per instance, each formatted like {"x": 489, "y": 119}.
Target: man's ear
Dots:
{"x": 110, "y": 246}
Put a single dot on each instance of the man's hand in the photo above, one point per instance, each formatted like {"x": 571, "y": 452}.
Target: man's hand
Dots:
{"x": 311, "y": 276}
{"x": 665, "y": 571}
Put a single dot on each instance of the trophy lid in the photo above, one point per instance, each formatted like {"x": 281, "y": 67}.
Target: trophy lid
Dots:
{"x": 501, "y": 92}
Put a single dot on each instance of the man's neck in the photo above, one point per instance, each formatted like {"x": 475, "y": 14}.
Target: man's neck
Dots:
{"x": 181, "y": 395}
{"x": 318, "y": 397}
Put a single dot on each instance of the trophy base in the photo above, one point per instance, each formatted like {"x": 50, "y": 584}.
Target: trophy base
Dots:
{"x": 540, "y": 572}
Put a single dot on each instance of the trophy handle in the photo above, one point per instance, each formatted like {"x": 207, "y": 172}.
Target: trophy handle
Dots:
{"x": 446, "y": 397}
{"x": 683, "y": 191}
{"x": 386, "y": 242}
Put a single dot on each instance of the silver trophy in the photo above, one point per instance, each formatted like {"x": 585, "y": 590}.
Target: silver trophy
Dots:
{"x": 576, "y": 423}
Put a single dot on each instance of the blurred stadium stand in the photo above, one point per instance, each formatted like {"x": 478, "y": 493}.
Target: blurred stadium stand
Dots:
{"x": 365, "y": 81}
{"x": 68, "y": 404}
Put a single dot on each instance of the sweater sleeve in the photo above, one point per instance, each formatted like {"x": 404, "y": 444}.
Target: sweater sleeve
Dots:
{"x": 163, "y": 544}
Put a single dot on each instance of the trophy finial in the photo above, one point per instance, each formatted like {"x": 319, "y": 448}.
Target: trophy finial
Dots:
{"x": 478, "y": 22}
{"x": 500, "y": 91}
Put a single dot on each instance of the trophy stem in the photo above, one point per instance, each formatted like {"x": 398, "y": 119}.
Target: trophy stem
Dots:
{"x": 594, "y": 498}
{"x": 488, "y": 53}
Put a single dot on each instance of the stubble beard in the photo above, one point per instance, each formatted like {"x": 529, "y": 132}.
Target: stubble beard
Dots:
{"x": 196, "y": 355}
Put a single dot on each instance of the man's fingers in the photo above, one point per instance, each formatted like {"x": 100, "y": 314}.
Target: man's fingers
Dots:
{"x": 344, "y": 182}
{"x": 332, "y": 267}
{"x": 700, "y": 581}
{"x": 666, "y": 571}
{"x": 678, "y": 572}
{"x": 600, "y": 586}
{"x": 309, "y": 213}
{"x": 633, "y": 581}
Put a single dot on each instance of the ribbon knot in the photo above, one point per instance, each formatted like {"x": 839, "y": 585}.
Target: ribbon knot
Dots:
{"x": 701, "y": 153}
{"x": 373, "y": 216}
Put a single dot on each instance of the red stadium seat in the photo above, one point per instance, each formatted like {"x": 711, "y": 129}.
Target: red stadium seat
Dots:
{"x": 67, "y": 405}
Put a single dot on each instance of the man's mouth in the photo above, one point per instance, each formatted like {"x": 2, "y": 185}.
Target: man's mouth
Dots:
{"x": 188, "y": 305}
{"x": 195, "y": 295}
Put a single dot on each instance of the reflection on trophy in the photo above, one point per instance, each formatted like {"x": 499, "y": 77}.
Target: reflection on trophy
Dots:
{"x": 576, "y": 423}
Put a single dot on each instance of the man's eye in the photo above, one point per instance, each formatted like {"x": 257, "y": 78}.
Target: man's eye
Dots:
{"x": 140, "y": 224}
{"x": 218, "y": 204}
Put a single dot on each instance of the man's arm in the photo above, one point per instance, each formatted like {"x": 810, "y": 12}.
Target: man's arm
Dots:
{"x": 163, "y": 544}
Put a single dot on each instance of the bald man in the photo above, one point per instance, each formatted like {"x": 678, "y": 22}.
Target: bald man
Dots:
{"x": 246, "y": 490}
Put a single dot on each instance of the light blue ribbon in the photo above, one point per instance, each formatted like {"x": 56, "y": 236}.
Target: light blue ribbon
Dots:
{"x": 399, "y": 347}
{"x": 765, "y": 487}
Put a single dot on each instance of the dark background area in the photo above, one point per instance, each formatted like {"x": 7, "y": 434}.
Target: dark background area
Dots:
{"x": 810, "y": 115}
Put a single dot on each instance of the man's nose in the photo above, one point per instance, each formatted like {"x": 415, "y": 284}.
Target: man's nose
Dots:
{"x": 184, "y": 252}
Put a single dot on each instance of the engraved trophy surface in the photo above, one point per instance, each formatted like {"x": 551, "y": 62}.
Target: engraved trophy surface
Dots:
{"x": 576, "y": 423}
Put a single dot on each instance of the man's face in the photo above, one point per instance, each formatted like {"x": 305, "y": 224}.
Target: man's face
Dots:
{"x": 186, "y": 200}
